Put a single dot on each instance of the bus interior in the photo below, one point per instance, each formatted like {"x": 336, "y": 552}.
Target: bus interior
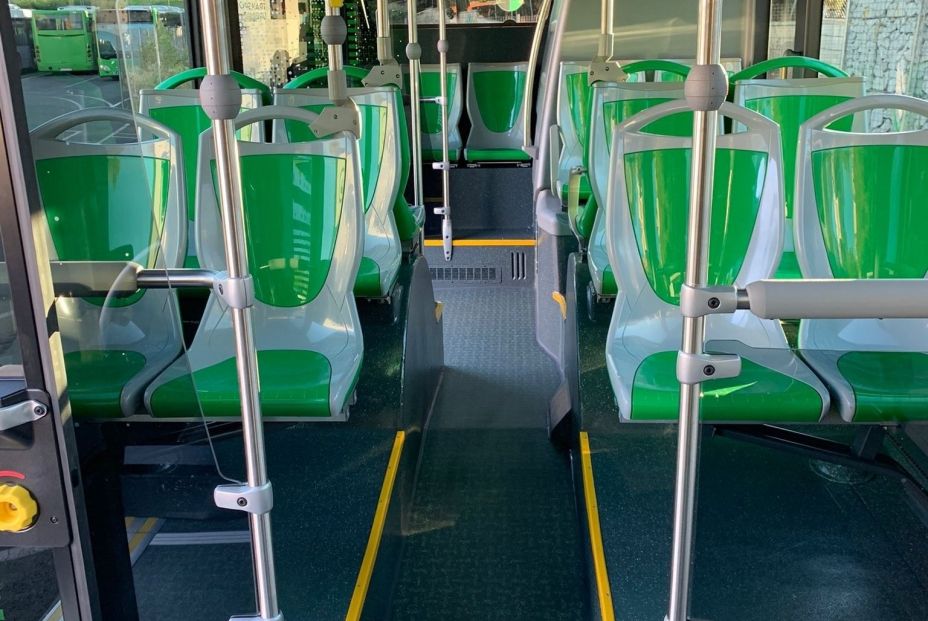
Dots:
{"x": 508, "y": 309}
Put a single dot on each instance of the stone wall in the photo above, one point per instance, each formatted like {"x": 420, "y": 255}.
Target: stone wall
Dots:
{"x": 887, "y": 44}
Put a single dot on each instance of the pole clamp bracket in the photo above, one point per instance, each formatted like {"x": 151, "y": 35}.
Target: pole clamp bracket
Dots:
{"x": 257, "y": 500}
{"x": 697, "y": 368}
{"x": 343, "y": 117}
{"x": 441, "y": 165}
{"x": 702, "y": 301}
{"x": 440, "y": 211}
{"x": 278, "y": 617}
{"x": 385, "y": 74}
{"x": 606, "y": 70}
{"x": 235, "y": 292}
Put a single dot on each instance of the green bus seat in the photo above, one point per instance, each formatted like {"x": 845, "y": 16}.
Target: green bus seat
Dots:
{"x": 180, "y": 110}
{"x": 860, "y": 213}
{"x": 430, "y": 88}
{"x": 408, "y": 219}
{"x": 495, "y": 94}
{"x": 791, "y": 102}
{"x": 646, "y": 232}
{"x": 613, "y": 102}
{"x": 113, "y": 202}
{"x": 380, "y": 159}
{"x": 569, "y": 136}
{"x": 303, "y": 233}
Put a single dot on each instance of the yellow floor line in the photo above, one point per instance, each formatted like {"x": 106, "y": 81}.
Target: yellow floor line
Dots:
{"x": 458, "y": 243}
{"x": 606, "y": 609}
{"x": 373, "y": 541}
{"x": 143, "y": 531}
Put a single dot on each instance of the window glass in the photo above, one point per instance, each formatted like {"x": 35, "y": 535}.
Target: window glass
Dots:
{"x": 470, "y": 11}
{"x": 782, "y": 34}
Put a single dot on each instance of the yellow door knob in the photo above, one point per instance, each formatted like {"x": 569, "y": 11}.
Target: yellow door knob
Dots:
{"x": 18, "y": 508}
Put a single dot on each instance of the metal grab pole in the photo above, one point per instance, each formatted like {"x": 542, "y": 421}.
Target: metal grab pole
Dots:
{"x": 528, "y": 139}
{"x": 606, "y": 45}
{"x": 414, "y": 54}
{"x": 445, "y": 210}
{"x": 258, "y": 490}
{"x": 705, "y": 130}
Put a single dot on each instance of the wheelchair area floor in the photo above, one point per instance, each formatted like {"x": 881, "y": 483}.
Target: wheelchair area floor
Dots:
{"x": 774, "y": 539}
{"x": 493, "y": 532}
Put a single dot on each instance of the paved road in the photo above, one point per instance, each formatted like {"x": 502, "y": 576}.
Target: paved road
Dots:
{"x": 50, "y": 95}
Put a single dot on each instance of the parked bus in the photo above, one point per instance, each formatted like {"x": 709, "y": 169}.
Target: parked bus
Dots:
{"x": 64, "y": 41}
{"x": 22, "y": 34}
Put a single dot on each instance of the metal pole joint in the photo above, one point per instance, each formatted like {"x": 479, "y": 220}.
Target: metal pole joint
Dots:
{"x": 706, "y": 87}
{"x": 697, "y": 368}
{"x": 256, "y": 500}
{"x": 702, "y": 301}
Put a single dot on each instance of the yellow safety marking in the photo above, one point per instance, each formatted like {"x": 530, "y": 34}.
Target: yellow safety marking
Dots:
{"x": 606, "y": 610}
{"x": 439, "y": 310}
{"x": 55, "y": 614}
{"x": 437, "y": 243}
{"x": 373, "y": 541}
{"x": 141, "y": 533}
{"x": 558, "y": 297}
{"x": 129, "y": 521}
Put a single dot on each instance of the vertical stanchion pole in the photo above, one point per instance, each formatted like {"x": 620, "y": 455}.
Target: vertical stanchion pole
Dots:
{"x": 447, "y": 237}
{"x": 220, "y": 97}
{"x": 603, "y": 67}
{"x": 414, "y": 54}
{"x": 528, "y": 139}
{"x": 705, "y": 90}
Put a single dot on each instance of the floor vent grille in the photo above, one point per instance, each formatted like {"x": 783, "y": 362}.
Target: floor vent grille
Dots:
{"x": 464, "y": 274}
{"x": 517, "y": 263}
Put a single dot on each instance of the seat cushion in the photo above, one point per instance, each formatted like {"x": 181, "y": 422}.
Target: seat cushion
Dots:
{"x": 496, "y": 155}
{"x": 293, "y": 383}
{"x": 888, "y": 386}
{"x": 758, "y": 394}
{"x": 97, "y": 378}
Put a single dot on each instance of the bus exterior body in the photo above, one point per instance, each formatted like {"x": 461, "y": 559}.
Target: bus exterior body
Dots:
{"x": 64, "y": 41}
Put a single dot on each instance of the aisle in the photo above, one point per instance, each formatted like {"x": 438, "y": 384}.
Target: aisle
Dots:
{"x": 493, "y": 533}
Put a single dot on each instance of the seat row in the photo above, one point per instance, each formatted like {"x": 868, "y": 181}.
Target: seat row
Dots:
{"x": 856, "y": 214}
{"x": 495, "y": 108}
{"x": 315, "y": 210}
{"x": 586, "y": 114}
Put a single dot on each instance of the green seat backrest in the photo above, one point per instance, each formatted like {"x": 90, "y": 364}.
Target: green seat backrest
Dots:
{"x": 371, "y": 144}
{"x": 292, "y": 207}
{"x": 181, "y": 111}
{"x": 870, "y": 201}
{"x": 658, "y": 185}
{"x": 431, "y": 87}
{"x": 790, "y": 103}
{"x": 499, "y": 97}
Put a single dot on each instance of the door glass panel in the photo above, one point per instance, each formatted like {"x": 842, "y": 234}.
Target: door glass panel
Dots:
{"x": 113, "y": 199}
